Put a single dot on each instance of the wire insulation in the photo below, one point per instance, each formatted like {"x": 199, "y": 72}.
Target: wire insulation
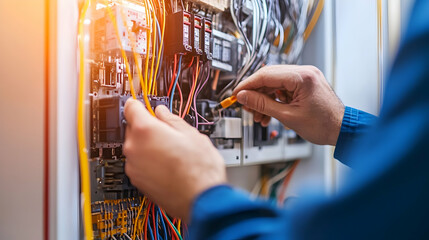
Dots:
{"x": 81, "y": 133}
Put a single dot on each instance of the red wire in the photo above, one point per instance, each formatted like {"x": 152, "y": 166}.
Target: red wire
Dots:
{"x": 181, "y": 99}
{"x": 153, "y": 221}
{"x": 169, "y": 223}
{"x": 146, "y": 222}
{"x": 174, "y": 75}
{"x": 285, "y": 184}
{"x": 190, "y": 64}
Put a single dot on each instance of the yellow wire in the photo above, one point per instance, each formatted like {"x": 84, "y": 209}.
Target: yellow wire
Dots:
{"x": 379, "y": 22}
{"x": 178, "y": 226}
{"x": 136, "y": 58}
{"x": 145, "y": 212}
{"x": 153, "y": 48}
{"x": 124, "y": 56}
{"x": 314, "y": 19}
{"x": 83, "y": 151}
{"x": 148, "y": 38}
{"x": 162, "y": 41}
{"x": 137, "y": 217}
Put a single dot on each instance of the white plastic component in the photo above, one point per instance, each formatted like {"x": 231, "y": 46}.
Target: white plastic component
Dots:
{"x": 136, "y": 18}
{"x": 228, "y": 128}
{"x": 215, "y": 5}
{"x": 279, "y": 152}
{"x": 222, "y": 47}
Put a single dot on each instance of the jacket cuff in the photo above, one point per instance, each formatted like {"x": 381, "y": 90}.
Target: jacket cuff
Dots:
{"x": 355, "y": 123}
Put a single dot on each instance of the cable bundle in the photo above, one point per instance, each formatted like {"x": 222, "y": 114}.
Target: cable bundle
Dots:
{"x": 286, "y": 24}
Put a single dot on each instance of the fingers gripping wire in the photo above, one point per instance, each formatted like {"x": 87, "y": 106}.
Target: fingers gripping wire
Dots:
{"x": 291, "y": 29}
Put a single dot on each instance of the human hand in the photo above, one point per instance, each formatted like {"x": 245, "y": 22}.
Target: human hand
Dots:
{"x": 168, "y": 160}
{"x": 298, "y": 96}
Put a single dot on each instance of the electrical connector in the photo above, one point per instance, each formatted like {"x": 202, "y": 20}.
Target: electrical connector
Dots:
{"x": 226, "y": 103}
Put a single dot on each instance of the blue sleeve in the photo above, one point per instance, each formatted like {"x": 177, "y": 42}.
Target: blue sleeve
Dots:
{"x": 386, "y": 195}
{"x": 355, "y": 124}
{"x": 226, "y": 213}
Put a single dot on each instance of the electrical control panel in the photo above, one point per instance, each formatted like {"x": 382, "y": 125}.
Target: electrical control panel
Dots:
{"x": 187, "y": 56}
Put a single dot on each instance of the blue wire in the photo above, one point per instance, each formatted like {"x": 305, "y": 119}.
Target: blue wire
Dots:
{"x": 157, "y": 47}
{"x": 175, "y": 83}
{"x": 158, "y": 211}
{"x": 150, "y": 231}
{"x": 156, "y": 224}
{"x": 174, "y": 227}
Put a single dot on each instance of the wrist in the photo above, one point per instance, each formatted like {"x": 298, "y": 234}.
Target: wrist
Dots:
{"x": 202, "y": 184}
{"x": 336, "y": 126}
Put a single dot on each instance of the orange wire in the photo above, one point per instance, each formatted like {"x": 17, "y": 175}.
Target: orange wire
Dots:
{"x": 285, "y": 184}
{"x": 146, "y": 221}
{"x": 191, "y": 95}
{"x": 190, "y": 64}
{"x": 169, "y": 223}
{"x": 314, "y": 19}
{"x": 181, "y": 99}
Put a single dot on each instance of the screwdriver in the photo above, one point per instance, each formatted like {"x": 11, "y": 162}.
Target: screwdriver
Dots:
{"x": 226, "y": 103}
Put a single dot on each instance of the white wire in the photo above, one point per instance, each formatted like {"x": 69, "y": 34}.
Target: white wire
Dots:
{"x": 298, "y": 43}
{"x": 256, "y": 189}
{"x": 280, "y": 33}
{"x": 240, "y": 30}
{"x": 255, "y": 26}
{"x": 277, "y": 178}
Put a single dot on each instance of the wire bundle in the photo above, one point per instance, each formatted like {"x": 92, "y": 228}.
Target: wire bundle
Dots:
{"x": 275, "y": 187}
{"x": 286, "y": 24}
{"x": 155, "y": 224}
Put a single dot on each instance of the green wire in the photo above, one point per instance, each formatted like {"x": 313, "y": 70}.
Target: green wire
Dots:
{"x": 174, "y": 227}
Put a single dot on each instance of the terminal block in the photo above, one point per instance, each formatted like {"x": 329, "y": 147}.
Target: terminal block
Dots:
{"x": 178, "y": 33}
{"x": 198, "y": 34}
{"x": 224, "y": 51}
{"x": 207, "y": 39}
{"x": 108, "y": 113}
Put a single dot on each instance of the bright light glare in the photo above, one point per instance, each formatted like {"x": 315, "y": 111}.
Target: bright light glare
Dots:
{"x": 100, "y": 6}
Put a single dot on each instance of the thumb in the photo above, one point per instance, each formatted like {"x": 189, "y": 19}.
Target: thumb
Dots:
{"x": 136, "y": 113}
{"x": 163, "y": 114}
{"x": 259, "y": 102}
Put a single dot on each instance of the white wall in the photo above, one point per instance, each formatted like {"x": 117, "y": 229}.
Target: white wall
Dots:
{"x": 21, "y": 118}
{"x": 356, "y": 59}
{"x": 356, "y": 69}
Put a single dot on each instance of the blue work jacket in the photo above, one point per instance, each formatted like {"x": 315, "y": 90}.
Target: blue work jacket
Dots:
{"x": 386, "y": 195}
